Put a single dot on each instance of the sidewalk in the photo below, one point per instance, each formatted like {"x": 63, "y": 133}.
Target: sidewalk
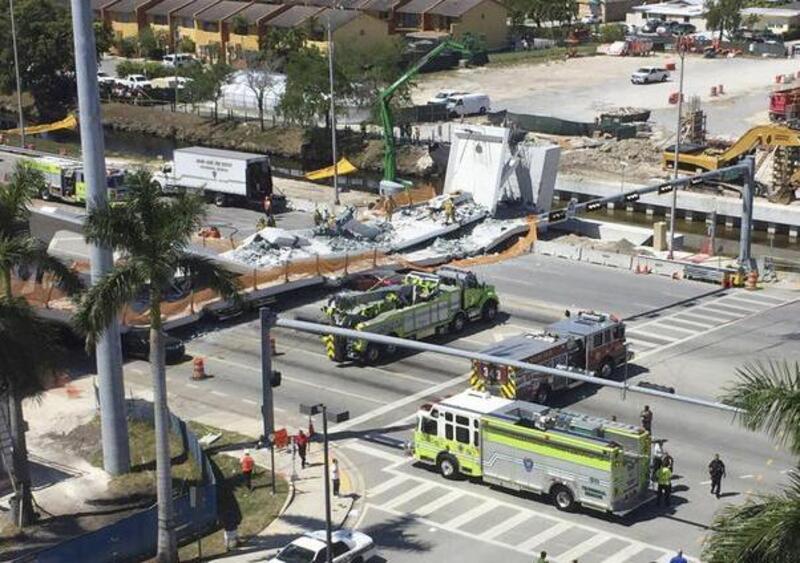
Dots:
{"x": 304, "y": 510}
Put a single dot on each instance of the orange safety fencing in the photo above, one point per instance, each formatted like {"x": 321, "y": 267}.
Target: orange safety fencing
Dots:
{"x": 522, "y": 246}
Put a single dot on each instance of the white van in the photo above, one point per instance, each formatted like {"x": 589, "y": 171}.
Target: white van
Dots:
{"x": 177, "y": 60}
{"x": 468, "y": 104}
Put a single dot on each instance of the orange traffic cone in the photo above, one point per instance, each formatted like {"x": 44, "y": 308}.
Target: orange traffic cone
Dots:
{"x": 198, "y": 369}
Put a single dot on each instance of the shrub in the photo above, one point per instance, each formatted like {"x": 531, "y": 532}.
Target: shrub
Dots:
{"x": 611, "y": 32}
{"x": 126, "y": 46}
{"x": 186, "y": 45}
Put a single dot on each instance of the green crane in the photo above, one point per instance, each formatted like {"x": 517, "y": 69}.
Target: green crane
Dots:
{"x": 385, "y": 99}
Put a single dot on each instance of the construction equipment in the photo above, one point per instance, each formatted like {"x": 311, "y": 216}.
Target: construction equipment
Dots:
{"x": 588, "y": 341}
{"x": 418, "y": 305}
{"x": 574, "y": 458}
{"x": 64, "y": 179}
{"x": 784, "y": 104}
{"x": 389, "y": 183}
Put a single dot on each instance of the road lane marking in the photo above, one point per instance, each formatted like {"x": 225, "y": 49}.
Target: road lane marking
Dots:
{"x": 748, "y": 476}
{"x": 715, "y": 313}
{"x": 505, "y": 525}
{"x": 440, "y": 502}
{"x": 380, "y": 411}
{"x": 696, "y": 319}
{"x": 218, "y": 393}
{"x": 532, "y": 543}
{"x": 705, "y": 482}
{"x": 693, "y": 323}
{"x": 673, "y": 327}
{"x": 386, "y": 485}
{"x": 471, "y": 514}
{"x": 250, "y": 401}
{"x": 419, "y": 489}
{"x": 299, "y": 381}
{"x": 192, "y": 386}
{"x": 625, "y": 553}
{"x": 583, "y": 548}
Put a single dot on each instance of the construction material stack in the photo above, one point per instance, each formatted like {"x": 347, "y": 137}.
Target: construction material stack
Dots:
{"x": 415, "y": 306}
{"x": 576, "y": 459}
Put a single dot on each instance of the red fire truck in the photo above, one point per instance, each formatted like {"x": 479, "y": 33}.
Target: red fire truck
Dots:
{"x": 784, "y": 105}
{"x": 588, "y": 341}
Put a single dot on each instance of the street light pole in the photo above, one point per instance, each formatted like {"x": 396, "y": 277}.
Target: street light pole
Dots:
{"x": 267, "y": 319}
{"x": 333, "y": 115}
{"x": 328, "y": 533}
{"x": 673, "y": 207}
{"x": 16, "y": 72}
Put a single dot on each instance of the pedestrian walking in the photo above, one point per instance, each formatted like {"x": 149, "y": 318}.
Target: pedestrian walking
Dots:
{"x": 247, "y": 464}
{"x": 716, "y": 470}
{"x": 335, "y": 477}
{"x": 679, "y": 558}
{"x": 664, "y": 482}
{"x": 647, "y": 419}
{"x": 542, "y": 557}
{"x": 302, "y": 443}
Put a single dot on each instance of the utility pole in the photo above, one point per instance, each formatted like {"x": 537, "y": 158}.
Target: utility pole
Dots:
{"x": 333, "y": 115}
{"x": 328, "y": 533}
{"x": 113, "y": 423}
{"x": 674, "y": 206}
{"x": 746, "y": 229}
{"x": 16, "y": 72}
{"x": 267, "y": 319}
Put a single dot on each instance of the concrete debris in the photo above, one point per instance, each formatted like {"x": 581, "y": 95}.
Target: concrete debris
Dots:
{"x": 638, "y": 159}
{"x": 622, "y": 246}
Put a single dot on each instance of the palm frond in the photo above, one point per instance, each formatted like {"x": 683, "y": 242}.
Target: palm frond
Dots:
{"x": 26, "y": 251}
{"x": 205, "y": 273}
{"x": 17, "y": 250}
{"x": 185, "y": 215}
{"x": 768, "y": 395}
{"x": 115, "y": 227}
{"x": 765, "y": 528}
{"x": 101, "y": 303}
{"x": 15, "y": 196}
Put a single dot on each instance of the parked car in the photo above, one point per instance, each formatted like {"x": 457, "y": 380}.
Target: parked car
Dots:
{"x": 684, "y": 29}
{"x": 178, "y": 60}
{"x": 591, "y": 20}
{"x": 347, "y": 546}
{"x": 136, "y": 344}
{"x": 649, "y": 74}
{"x": 468, "y": 104}
{"x": 135, "y": 81}
{"x": 104, "y": 79}
{"x": 442, "y": 96}
{"x": 651, "y": 26}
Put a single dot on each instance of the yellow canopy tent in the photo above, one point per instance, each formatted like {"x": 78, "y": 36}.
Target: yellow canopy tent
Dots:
{"x": 68, "y": 122}
{"x": 343, "y": 167}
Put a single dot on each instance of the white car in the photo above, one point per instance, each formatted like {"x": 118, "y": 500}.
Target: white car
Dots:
{"x": 648, "y": 74}
{"x": 104, "y": 78}
{"x": 136, "y": 81}
{"x": 178, "y": 60}
{"x": 442, "y": 96}
{"x": 468, "y": 104}
{"x": 347, "y": 546}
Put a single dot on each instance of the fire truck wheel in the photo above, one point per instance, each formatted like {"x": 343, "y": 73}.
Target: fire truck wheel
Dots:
{"x": 221, "y": 200}
{"x": 448, "y": 466}
{"x": 543, "y": 395}
{"x": 562, "y": 498}
{"x": 607, "y": 368}
{"x": 373, "y": 353}
{"x": 45, "y": 194}
{"x": 458, "y": 324}
{"x": 489, "y": 311}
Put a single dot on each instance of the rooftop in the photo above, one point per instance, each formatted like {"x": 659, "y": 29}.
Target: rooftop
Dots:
{"x": 221, "y": 11}
{"x": 379, "y": 5}
{"x": 418, "y": 6}
{"x": 190, "y": 10}
{"x": 256, "y": 12}
{"x": 221, "y": 153}
{"x": 294, "y": 16}
{"x": 454, "y": 8}
{"x": 674, "y": 8}
{"x": 476, "y": 401}
{"x": 123, "y": 6}
{"x": 522, "y": 346}
{"x": 338, "y": 18}
{"x": 166, "y": 7}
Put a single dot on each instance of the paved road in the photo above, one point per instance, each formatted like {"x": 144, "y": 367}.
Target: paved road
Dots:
{"x": 688, "y": 335}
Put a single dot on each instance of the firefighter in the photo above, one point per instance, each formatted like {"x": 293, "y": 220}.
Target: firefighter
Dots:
{"x": 390, "y": 207}
{"x": 716, "y": 470}
{"x": 647, "y": 419}
{"x": 248, "y": 465}
{"x": 664, "y": 482}
{"x": 317, "y": 217}
{"x": 449, "y": 211}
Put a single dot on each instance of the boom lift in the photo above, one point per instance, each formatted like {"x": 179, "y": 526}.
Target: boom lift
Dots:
{"x": 389, "y": 183}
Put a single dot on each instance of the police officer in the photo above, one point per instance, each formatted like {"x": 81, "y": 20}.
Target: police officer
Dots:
{"x": 664, "y": 482}
{"x": 716, "y": 470}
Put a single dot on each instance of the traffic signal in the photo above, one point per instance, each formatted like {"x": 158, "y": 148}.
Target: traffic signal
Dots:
{"x": 275, "y": 380}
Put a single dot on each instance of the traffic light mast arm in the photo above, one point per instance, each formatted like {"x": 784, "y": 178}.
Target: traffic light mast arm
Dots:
{"x": 385, "y": 99}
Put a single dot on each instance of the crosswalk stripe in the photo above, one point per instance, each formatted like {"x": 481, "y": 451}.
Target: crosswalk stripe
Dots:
{"x": 435, "y": 505}
{"x": 624, "y": 554}
{"x": 470, "y": 514}
{"x": 693, "y": 323}
{"x": 711, "y": 311}
{"x": 749, "y": 302}
{"x": 386, "y": 485}
{"x": 759, "y": 298}
{"x": 673, "y": 327}
{"x": 696, "y": 319}
{"x": 725, "y": 305}
{"x": 540, "y": 538}
{"x": 651, "y": 336}
{"x": 584, "y": 547}
{"x": 505, "y": 525}
{"x": 418, "y": 489}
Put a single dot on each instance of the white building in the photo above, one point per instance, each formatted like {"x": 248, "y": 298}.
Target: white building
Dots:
{"x": 780, "y": 19}
{"x": 686, "y": 11}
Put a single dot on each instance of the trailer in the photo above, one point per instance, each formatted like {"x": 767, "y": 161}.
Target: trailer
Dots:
{"x": 575, "y": 459}
{"x": 64, "y": 180}
{"x": 416, "y": 306}
{"x": 223, "y": 176}
{"x": 587, "y": 341}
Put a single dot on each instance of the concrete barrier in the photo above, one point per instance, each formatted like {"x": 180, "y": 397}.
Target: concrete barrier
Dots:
{"x": 557, "y": 249}
{"x": 612, "y": 259}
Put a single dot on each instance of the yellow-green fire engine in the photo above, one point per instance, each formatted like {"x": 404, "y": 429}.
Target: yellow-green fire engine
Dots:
{"x": 575, "y": 459}
{"x": 64, "y": 180}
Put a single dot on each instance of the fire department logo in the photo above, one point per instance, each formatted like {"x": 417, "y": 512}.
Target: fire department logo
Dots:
{"x": 528, "y": 464}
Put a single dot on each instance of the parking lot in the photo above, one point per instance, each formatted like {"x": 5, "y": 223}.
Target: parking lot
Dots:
{"x": 579, "y": 89}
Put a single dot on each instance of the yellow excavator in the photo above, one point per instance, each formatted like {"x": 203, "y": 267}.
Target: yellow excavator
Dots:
{"x": 783, "y": 143}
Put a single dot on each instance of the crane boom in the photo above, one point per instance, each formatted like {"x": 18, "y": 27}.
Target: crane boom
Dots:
{"x": 385, "y": 98}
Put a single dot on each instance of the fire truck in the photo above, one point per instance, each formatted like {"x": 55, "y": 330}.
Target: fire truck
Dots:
{"x": 588, "y": 341}
{"x": 784, "y": 104}
{"x": 574, "y": 458}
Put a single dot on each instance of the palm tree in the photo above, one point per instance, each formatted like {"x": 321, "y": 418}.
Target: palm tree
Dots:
{"x": 28, "y": 344}
{"x": 766, "y": 527}
{"x": 152, "y": 234}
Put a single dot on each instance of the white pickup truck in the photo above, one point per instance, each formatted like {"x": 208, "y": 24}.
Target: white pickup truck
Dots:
{"x": 135, "y": 81}
{"x": 649, "y": 74}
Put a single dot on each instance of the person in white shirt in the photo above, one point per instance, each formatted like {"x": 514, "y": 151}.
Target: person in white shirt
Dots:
{"x": 335, "y": 477}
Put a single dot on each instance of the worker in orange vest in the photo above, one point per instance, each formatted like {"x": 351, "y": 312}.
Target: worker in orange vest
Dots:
{"x": 248, "y": 464}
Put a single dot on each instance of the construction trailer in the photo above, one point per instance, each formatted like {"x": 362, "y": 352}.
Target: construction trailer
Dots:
{"x": 576, "y": 459}
{"x": 64, "y": 180}
{"x": 416, "y": 306}
{"x": 587, "y": 341}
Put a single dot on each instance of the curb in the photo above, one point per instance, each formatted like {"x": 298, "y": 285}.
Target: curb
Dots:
{"x": 351, "y": 469}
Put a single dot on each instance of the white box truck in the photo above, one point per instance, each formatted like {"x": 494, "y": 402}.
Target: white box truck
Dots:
{"x": 224, "y": 176}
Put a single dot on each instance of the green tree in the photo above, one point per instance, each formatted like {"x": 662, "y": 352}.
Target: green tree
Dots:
{"x": 260, "y": 79}
{"x": 103, "y": 37}
{"x": 307, "y": 87}
{"x": 152, "y": 233}
{"x": 29, "y": 354}
{"x": 362, "y": 75}
{"x": 46, "y": 58}
{"x": 765, "y": 527}
{"x": 207, "y": 84}
{"x": 725, "y": 15}
{"x": 239, "y": 25}
{"x": 187, "y": 45}
{"x": 280, "y": 43}
{"x": 152, "y": 45}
